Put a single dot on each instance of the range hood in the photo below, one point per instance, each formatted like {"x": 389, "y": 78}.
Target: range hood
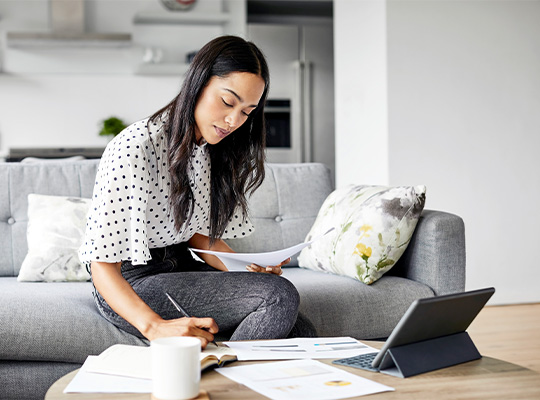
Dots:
{"x": 67, "y": 30}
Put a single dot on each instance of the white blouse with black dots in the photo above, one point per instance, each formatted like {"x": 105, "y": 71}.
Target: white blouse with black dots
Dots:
{"x": 130, "y": 211}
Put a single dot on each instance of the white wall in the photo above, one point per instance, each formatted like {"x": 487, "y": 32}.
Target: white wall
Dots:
{"x": 65, "y": 111}
{"x": 464, "y": 119}
{"x": 464, "y": 90}
{"x": 360, "y": 92}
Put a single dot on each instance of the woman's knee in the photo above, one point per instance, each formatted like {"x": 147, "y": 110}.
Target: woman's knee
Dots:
{"x": 281, "y": 290}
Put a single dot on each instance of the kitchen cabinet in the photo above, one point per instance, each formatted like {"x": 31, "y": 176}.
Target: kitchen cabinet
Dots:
{"x": 143, "y": 37}
{"x": 169, "y": 36}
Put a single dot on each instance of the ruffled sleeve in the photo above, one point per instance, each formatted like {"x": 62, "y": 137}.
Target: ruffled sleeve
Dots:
{"x": 116, "y": 227}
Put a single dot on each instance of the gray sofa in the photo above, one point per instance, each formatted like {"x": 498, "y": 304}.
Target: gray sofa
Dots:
{"x": 48, "y": 329}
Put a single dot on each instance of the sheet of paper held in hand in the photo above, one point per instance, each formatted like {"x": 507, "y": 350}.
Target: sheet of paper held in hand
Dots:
{"x": 302, "y": 380}
{"x": 271, "y": 258}
{"x": 299, "y": 348}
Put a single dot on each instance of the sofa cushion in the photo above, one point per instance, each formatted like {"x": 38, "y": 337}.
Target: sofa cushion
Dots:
{"x": 59, "y": 322}
{"x": 373, "y": 226}
{"x": 55, "y": 232}
{"x": 342, "y": 306}
{"x": 24, "y": 380}
{"x": 55, "y": 321}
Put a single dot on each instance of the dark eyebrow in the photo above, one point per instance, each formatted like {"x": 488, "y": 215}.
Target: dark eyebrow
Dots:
{"x": 238, "y": 97}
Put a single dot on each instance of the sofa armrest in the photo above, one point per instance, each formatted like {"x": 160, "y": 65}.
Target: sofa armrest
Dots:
{"x": 436, "y": 254}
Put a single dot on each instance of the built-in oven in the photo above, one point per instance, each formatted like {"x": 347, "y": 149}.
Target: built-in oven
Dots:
{"x": 277, "y": 113}
{"x": 281, "y": 144}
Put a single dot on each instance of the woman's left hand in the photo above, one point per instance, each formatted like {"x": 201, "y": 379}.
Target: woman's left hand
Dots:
{"x": 275, "y": 269}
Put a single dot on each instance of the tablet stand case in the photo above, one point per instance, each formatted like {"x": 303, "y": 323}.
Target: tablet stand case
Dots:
{"x": 429, "y": 355}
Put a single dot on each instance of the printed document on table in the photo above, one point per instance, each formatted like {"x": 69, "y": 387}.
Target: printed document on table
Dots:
{"x": 302, "y": 379}
{"x": 299, "y": 348}
{"x": 124, "y": 360}
{"x": 271, "y": 258}
{"x": 89, "y": 382}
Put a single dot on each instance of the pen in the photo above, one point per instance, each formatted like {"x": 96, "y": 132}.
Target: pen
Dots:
{"x": 182, "y": 311}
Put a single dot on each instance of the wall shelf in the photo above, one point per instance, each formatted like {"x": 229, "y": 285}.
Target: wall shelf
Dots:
{"x": 180, "y": 18}
{"x": 177, "y": 69}
{"x": 56, "y": 40}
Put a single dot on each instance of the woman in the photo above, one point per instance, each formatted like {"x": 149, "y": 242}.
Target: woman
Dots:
{"x": 179, "y": 179}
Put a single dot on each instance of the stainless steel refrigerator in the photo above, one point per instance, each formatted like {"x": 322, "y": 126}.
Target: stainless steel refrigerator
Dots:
{"x": 300, "y": 111}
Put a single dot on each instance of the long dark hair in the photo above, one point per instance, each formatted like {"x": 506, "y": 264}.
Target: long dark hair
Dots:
{"x": 237, "y": 162}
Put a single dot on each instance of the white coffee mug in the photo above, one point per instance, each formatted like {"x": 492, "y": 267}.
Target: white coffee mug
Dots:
{"x": 176, "y": 368}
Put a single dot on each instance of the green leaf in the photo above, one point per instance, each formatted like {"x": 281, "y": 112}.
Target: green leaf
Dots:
{"x": 381, "y": 242}
{"x": 346, "y": 227}
{"x": 358, "y": 196}
{"x": 359, "y": 270}
{"x": 384, "y": 263}
{"x": 329, "y": 208}
{"x": 405, "y": 243}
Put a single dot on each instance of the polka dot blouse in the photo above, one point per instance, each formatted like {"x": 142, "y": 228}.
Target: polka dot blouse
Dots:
{"x": 130, "y": 211}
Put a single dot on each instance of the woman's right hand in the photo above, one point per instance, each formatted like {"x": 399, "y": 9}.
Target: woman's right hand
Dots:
{"x": 121, "y": 297}
{"x": 201, "y": 328}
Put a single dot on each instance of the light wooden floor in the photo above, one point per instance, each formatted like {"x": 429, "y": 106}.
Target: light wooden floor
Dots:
{"x": 509, "y": 333}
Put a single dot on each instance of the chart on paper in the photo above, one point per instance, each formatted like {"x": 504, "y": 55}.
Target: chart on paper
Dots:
{"x": 299, "y": 348}
{"x": 302, "y": 380}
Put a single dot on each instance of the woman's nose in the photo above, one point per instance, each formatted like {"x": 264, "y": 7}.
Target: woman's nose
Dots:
{"x": 233, "y": 120}
{"x": 229, "y": 119}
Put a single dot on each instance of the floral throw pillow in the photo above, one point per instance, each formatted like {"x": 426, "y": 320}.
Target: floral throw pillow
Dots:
{"x": 55, "y": 232}
{"x": 373, "y": 226}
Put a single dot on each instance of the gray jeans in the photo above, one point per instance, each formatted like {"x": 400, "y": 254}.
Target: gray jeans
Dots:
{"x": 245, "y": 305}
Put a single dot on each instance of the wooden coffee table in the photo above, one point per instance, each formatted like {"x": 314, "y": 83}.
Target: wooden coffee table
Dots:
{"x": 487, "y": 378}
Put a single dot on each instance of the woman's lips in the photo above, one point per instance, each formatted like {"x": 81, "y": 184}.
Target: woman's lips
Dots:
{"x": 222, "y": 133}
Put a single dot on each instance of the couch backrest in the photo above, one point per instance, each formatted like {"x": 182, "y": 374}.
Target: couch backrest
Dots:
{"x": 18, "y": 180}
{"x": 283, "y": 208}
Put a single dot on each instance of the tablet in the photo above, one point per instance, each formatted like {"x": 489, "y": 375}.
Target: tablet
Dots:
{"x": 434, "y": 317}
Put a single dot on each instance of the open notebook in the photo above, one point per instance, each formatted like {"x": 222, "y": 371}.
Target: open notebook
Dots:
{"x": 135, "y": 361}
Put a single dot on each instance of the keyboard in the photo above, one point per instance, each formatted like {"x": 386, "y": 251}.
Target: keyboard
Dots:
{"x": 363, "y": 361}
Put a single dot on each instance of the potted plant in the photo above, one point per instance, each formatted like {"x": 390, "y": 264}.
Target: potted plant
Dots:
{"x": 112, "y": 126}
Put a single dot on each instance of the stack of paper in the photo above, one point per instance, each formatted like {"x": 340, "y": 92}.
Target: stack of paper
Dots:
{"x": 122, "y": 366}
{"x": 124, "y": 360}
{"x": 91, "y": 382}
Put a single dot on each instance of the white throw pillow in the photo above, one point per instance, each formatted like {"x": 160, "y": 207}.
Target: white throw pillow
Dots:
{"x": 55, "y": 232}
{"x": 373, "y": 226}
